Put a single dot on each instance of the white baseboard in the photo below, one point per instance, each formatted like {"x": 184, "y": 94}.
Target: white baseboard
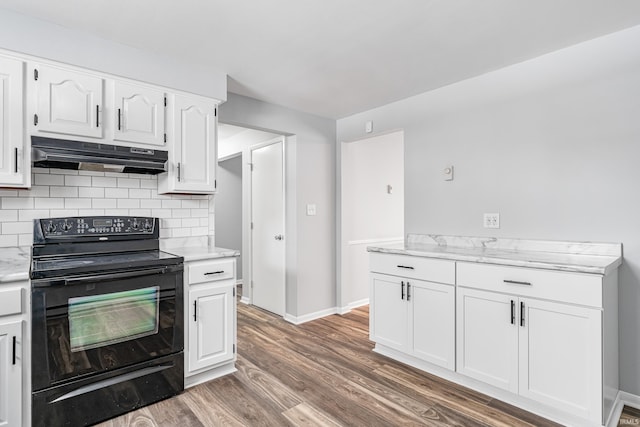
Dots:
{"x": 297, "y": 320}
{"x": 239, "y": 282}
{"x": 245, "y": 300}
{"x": 623, "y": 398}
{"x": 352, "y": 305}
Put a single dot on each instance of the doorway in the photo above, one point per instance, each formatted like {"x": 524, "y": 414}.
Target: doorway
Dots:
{"x": 267, "y": 226}
{"x": 372, "y": 209}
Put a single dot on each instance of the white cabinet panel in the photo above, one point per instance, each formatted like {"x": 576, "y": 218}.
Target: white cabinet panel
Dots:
{"x": 68, "y": 102}
{"x": 211, "y": 326}
{"x": 389, "y": 320}
{"x": 14, "y": 168}
{"x": 139, "y": 114}
{"x": 433, "y": 322}
{"x": 487, "y": 338}
{"x": 561, "y": 357}
{"x": 192, "y": 142}
{"x": 10, "y": 374}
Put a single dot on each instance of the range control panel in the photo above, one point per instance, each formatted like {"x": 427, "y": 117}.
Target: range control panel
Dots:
{"x": 96, "y": 226}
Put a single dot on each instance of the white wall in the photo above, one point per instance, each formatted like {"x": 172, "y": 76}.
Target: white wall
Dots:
{"x": 228, "y": 207}
{"x": 370, "y": 214}
{"x": 23, "y": 34}
{"x": 310, "y": 178}
{"x": 552, "y": 144}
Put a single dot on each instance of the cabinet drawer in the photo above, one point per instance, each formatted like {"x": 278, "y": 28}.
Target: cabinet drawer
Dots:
{"x": 10, "y": 301}
{"x": 211, "y": 270}
{"x": 433, "y": 270}
{"x": 573, "y": 288}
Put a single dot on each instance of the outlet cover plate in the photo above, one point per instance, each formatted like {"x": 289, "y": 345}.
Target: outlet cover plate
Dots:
{"x": 491, "y": 220}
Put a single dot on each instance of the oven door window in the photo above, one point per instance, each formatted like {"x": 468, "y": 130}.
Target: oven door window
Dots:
{"x": 106, "y": 319}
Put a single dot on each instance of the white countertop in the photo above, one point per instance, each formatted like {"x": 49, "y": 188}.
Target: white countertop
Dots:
{"x": 14, "y": 264}
{"x": 580, "y": 257}
{"x": 195, "y": 253}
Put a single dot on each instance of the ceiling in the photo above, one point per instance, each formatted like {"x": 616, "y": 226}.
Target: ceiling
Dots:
{"x": 334, "y": 58}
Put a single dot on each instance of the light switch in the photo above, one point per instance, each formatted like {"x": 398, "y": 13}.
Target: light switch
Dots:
{"x": 447, "y": 172}
{"x": 311, "y": 210}
{"x": 368, "y": 126}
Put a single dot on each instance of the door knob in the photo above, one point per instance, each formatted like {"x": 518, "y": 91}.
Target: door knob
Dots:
{"x": 278, "y": 237}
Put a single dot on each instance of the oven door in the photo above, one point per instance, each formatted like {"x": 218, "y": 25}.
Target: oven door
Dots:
{"x": 91, "y": 324}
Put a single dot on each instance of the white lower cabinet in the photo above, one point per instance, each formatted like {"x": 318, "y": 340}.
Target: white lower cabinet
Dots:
{"x": 548, "y": 338}
{"x": 10, "y": 374}
{"x": 414, "y": 316}
{"x": 210, "y": 319}
{"x": 211, "y": 340}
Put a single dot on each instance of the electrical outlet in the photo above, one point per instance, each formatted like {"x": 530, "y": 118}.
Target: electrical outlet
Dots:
{"x": 491, "y": 220}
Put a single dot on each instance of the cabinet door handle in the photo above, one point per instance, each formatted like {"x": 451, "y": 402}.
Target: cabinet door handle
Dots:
{"x": 214, "y": 272}
{"x": 119, "y": 119}
{"x": 14, "y": 350}
{"x": 97, "y": 116}
{"x": 513, "y": 312}
{"x": 521, "y": 313}
{"x": 516, "y": 282}
{"x": 402, "y": 290}
{"x": 195, "y": 308}
{"x": 178, "y": 171}
{"x": 408, "y": 291}
{"x": 15, "y": 158}
{"x": 406, "y": 266}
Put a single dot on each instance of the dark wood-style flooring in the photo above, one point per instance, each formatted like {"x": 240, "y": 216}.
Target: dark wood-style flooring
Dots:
{"x": 323, "y": 373}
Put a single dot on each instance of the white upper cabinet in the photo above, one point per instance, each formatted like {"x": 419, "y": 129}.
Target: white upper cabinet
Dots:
{"x": 192, "y": 147}
{"x": 139, "y": 114}
{"x": 14, "y": 171}
{"x": 67, "y": 102}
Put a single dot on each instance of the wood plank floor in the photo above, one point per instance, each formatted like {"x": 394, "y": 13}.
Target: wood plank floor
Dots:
{"x": 323, "y": 373}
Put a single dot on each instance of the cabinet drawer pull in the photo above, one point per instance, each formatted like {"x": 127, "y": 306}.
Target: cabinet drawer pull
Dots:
{"x": 214, "y": 272}
{"x": 14, "y": 350}
{"x": 406, "y": 266}
{"x": 119, "y": 119}
{"x": 513, "y": 312}
{"x": 178, "y": 171}
{"x": 97, "y": 116}
{"x": 517, "y": 282}
{"x": 15, "y": 158}
{"x": 195, "y": 308}
{"x": 521, "y": 313}
{"x": 408, "y": 291}
{"x": 402, "y": 290}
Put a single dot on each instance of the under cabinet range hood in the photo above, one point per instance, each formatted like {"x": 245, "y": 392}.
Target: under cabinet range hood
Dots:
{"x": 78, "y": 155}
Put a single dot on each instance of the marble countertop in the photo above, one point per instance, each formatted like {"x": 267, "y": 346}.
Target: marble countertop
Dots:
{"x": 196, "y": 253}
{"x": 14, "y": 264}
{"x": 580, "y": 257}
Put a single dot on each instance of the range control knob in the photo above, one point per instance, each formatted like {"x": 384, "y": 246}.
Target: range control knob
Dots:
{"x": 147, "y": 225}
{"x": 66, "y": 226}
{"x": 135, "y": 224}
{"x": 51, "y": 227}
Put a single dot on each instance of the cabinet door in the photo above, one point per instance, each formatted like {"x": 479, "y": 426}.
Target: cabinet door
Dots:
{"x": 211, "y": 325}
{"x": 388, "y": 323}
{"x": 12, "y": 161}
{"x": 139, "y": 114}
{"x": 68, "y": 102}
{"x": 194, "y": 146}
{"x": 10, "y": 374}
{"x": 432, "y": 323}
{"x": 561, "y": 357}
{"x": 487, "y": 337}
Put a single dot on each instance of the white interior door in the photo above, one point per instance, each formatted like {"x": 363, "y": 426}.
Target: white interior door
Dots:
{"x": 267, "y": 235}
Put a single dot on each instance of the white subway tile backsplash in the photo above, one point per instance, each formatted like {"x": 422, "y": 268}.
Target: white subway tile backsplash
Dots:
{"x": 128, "y": 183}
{"x": 77, "y": 181}
{"x": 116, "y": 193}
{"x": 103, "y": 181}
{"x": 42, "y": 179}
{"x": 60, "y": 193}
{"x": 91, "y": 192}
{"x": 17, "y": 202}
{"x": 77, "y": 203}
{"x": 50, "y": 203}
{"x": 63, "y": 191}
{"x": 103, "y": 203}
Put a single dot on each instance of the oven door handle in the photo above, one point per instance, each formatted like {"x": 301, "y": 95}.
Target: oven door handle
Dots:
{"x": 113, "y": 276}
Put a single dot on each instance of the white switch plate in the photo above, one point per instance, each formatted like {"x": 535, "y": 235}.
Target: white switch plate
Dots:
{"x": 368, "y": 127}
{"x": 447, "y": 172}
{"x": 311, "y": 210}
{"x": 492, "y": 220}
